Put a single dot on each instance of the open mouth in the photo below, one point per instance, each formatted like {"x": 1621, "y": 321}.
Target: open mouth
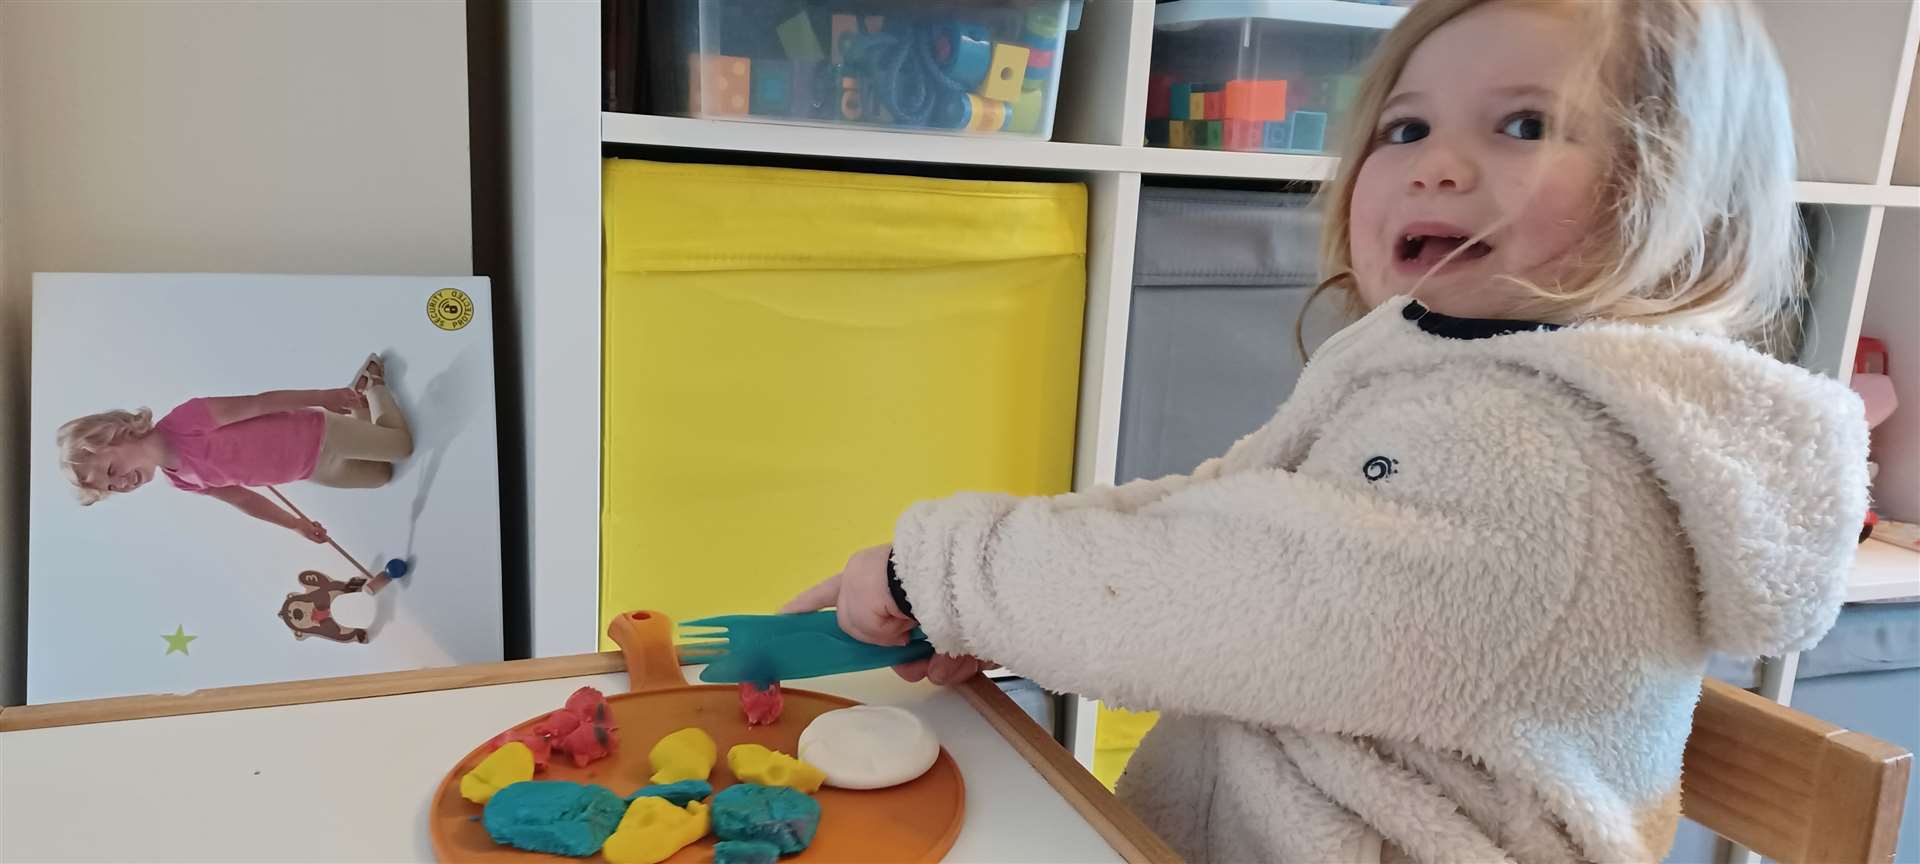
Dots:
{"x": 1426, "y": 250}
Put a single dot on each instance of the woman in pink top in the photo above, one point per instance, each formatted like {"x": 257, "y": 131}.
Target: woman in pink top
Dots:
{"x": 348, "y": 437}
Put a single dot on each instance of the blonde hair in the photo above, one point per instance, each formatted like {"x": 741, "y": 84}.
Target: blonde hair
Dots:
{"x": 82, "y": 438}
{"x": 1697, "y": 226}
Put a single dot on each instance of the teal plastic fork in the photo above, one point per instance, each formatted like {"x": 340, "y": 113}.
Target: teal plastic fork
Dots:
{"x": 763, "y": 649}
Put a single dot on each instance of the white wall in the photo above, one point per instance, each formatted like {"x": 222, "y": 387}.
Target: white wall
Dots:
{"x": 297, "y": 136}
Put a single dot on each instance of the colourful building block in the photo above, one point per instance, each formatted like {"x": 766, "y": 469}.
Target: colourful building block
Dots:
{"x": 989, "y": 115}
{"x": 1197, "y": 106}
{"x": 1216, "y": 105}
{"x": 1179, "y": 102}
{"x": 1276, "y": 135}
{"x": 852, "y": 106}
{"x": 1256, "y": 100}
{"x": 1027, "y": 110}
{"x": 1006, "y": 72}
{"x": 1040, "y": 58}
{"x": 1210, "y": 134}
{"x": 1243, "y": 135}
{"x": 1180, "y": 134}
{"x": 845, "y": 28}
{"x": 1159, "y": 97}
{"x": 799, "y": 41}
{"x": 772, "y": 88}
{"x": 1346, "y": 89}
{"x": 1309, "y": 130}
{"x": 719, "y": 84}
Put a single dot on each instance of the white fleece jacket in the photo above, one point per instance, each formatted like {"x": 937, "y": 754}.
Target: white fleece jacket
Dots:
{"x": 1453, "y": 602}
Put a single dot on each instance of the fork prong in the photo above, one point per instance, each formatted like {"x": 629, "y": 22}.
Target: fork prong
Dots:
{"x": 703, "y": 650}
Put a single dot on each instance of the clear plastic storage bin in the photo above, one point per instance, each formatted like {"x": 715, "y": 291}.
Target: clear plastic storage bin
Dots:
{"x": 1259, "y": 75}
{"x": 973, "y": 66}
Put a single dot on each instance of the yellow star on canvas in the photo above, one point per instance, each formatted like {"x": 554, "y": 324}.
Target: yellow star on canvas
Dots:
{"x": 178, "y": 641}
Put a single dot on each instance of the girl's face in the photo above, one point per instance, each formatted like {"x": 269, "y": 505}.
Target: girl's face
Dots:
{"x": 1467, "y": 142}
{"x": 122, "y": 466}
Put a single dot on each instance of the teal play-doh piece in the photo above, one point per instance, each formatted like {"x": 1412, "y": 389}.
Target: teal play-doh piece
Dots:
{"x": 678, "y": 794}
{"x": 783, "y": 817}
{"x": 553, "y": 816}
{"x": 745, "y": 852}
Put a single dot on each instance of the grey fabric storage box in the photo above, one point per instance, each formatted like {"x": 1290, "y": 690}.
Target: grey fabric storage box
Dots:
{"x": 1219, "y": 278}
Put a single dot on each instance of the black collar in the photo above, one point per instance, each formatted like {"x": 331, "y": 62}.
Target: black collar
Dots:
{"x": 1467, "y": 328}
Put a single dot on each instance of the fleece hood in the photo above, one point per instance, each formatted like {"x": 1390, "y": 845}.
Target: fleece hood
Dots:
{"x": 1766, "y": 464}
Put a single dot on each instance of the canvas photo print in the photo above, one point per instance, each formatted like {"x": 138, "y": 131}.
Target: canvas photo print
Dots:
{"x": 239, "y": 479}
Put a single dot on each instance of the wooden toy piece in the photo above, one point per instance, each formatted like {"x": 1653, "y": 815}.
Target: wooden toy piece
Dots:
{"x": 1044, "y": 24}
{"x": 1006, "y": 72}
{"x": 1159, "y": 97}
{"x": 1197, "y": 105}
{"x": 852, "y": 106}
{"x": 772, "y": 88}
{"x": 1243, "y": 135}
{"x": 1215, "y": 105}
{"x": 1027, "y": 110}
{"x": 1180, "y": 134}
{"x": 1276, "y": 135}
{"x": 1180, "y": 102}
{"x": 1039, "y": 58}
{"x": 965, "y": 53}
{"x": 1309, "y": 130}
{"x": 799, "y": 40}
{"x": 1211, "y": 134}
{"x": 719, "y": 84}
{"x": 988, "y": 115}
{"x": 1256, "y": 100}
{"x": 845, "y": 27}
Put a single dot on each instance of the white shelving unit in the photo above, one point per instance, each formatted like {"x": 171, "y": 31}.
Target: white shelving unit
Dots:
{"x": 1850, "y": 63}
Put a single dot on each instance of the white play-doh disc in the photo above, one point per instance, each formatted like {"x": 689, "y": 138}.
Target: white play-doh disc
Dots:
{"x": 869, "y": 746}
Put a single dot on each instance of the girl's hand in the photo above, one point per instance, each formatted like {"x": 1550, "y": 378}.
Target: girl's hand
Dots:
{"x": 865, "y": 609}
{"x": 312, "y": 531}
{"x": 860, "y": 598}
{"x": 340, "y": 400}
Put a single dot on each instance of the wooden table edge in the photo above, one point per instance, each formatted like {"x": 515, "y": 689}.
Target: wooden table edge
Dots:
{"x": 1115, "y": 824}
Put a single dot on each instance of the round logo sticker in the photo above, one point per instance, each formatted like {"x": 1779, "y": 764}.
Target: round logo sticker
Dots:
{"x": 450, "y": 309}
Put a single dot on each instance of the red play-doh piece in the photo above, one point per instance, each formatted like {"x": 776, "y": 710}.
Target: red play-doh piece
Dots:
{"x": 558, "y": 725}
{"x": 762, "y": 707}
{"x": 585, "y": 702}
{"x": 587, "y": 742}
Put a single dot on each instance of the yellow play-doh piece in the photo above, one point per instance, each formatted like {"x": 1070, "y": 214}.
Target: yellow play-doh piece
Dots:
{"x": 654, "y": 829}
{"x": 753, "y": 763}
{"x": 688, "y": 754}
{"x": 510, "y": 764}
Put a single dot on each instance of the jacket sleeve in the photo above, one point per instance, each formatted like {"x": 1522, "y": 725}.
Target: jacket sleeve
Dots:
{"x": 1319, "y": 598}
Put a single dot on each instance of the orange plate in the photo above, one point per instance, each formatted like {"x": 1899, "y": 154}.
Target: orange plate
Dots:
{"x": 915, "y": 822}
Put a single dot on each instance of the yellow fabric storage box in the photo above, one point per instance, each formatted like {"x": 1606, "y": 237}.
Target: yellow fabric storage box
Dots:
{"x": 794, "y": 357}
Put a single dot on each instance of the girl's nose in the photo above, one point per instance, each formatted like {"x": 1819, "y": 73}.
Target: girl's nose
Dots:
{"x": 1443, "y": 168}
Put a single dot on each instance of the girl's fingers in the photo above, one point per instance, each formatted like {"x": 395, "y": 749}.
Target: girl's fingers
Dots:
{"x": 913, "y": 672}
{"x": 820, "y": 596}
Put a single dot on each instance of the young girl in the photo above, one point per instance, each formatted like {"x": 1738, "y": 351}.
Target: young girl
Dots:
{"x": 221, "y": 445}
{"x": 1454, "y": 602}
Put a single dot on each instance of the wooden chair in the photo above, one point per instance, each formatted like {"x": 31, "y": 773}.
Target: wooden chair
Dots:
{"x": 1788, "y": 786}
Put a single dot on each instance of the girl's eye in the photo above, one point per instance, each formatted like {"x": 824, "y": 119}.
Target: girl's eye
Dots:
{"x": 1404, "y": 131}
{"x": 1526, "y": 126}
